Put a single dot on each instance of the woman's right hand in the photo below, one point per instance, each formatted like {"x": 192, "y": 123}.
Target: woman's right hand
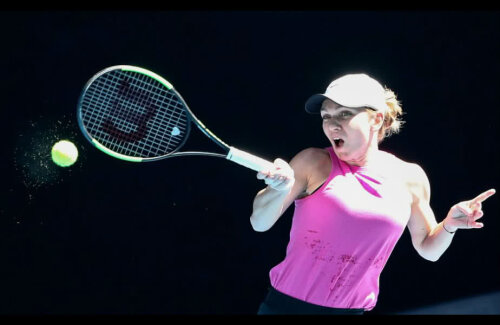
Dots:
{"x": 281, "y": 178}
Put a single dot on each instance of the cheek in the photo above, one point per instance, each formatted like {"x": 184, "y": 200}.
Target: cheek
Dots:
{"x": 324, "y": 126}
{"x": 361, "y": 127}
{"x": 358, "y": 137}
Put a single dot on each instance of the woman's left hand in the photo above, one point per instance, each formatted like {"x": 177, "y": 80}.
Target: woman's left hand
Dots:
{"x": 465, "y": 214}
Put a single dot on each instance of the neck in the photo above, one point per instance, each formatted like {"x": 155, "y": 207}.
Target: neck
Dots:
{"x": 368, "y": 155}
{"x": 366, "y": 159}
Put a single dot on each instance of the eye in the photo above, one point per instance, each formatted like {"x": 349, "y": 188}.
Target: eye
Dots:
{"x": 344, "y": 115}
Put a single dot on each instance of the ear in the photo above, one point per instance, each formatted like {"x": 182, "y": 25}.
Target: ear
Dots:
{"x": 377, "y": 121}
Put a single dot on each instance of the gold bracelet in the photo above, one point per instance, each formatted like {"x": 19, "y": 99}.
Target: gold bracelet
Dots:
{"x": 442, "y": 223}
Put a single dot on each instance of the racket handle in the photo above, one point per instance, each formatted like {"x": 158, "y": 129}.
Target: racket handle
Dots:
{"x": 248, "y": 160}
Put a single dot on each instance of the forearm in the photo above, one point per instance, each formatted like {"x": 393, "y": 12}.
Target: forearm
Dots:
{"x": 437, "y": 242}
{"x": 267, "y": 208}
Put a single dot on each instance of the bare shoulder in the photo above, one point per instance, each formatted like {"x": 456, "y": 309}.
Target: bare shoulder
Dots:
{"x": 311, "y": 167}
{"x": 310, "y": 158}
{"x": 415, "y": 173}
{"x": 416, "y": 179}
{"x": 312, "y": 153}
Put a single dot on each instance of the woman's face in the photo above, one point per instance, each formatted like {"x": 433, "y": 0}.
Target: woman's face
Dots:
{"x": 351, "y": 131}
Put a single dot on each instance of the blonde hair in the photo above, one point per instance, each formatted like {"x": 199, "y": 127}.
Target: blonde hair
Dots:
{"x": 392, "y": 117}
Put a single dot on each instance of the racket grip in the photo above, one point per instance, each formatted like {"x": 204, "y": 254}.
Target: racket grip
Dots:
{"x": 248, "y": 160}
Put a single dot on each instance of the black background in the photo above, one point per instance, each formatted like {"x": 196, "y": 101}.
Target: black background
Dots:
{"x": 173, "y": 237}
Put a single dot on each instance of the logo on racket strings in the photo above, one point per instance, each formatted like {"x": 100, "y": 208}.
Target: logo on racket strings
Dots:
{"x": 127, "y": 116}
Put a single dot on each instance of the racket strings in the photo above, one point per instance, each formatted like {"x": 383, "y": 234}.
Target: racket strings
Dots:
{"x": 130, "y": 116}
{"x": 133, "y": 114}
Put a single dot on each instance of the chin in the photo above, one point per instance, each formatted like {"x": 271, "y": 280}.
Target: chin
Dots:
{"x": 341, "y": 153}
{"x": 345, "y": 154}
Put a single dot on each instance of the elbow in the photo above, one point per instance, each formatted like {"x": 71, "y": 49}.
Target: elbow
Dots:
{"x": 427, "y": 251}
{"x": 259, "y": 226}
{"x": 432, "y": 258}
{"x": 428, "y": 255}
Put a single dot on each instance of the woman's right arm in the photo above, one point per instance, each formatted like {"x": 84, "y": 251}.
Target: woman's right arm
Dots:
{"x": 284, "y": 184}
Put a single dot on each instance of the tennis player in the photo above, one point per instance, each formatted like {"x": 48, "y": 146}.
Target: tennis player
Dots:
{"x": 352, "y": 204}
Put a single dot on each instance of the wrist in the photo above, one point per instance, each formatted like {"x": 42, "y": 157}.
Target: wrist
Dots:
{"x": 278, "y": 192}
{"x": 449, "y": 229}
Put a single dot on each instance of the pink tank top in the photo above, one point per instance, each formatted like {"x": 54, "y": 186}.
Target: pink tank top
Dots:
{"x": 343, "y": 234}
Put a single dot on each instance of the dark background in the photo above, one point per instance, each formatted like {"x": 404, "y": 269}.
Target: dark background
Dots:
{"x": 173, "y": 237}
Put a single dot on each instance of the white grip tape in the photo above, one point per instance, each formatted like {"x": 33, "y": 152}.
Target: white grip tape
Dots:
{"x": 248, "y": 160}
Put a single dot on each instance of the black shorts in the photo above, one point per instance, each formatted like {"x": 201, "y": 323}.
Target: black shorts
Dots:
{"x": 277, "y": 303}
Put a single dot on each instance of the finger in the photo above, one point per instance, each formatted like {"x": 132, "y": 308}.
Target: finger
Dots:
{"x": 283, "y": 185}
{"x": 476, "y": 206}
{"x": 274, "y": 180}
{"x": 280, "y": 180}
{"x": 471, "y": 220}
{"x": 270, "y": 174}
{"x": 477, "y": 215}
{"x": 264, "y": 174}
{"x": 261, "y": 175}
{"x": 269, "y": 180}
{"x": 277, "y": 183}
{"x": 267, "y": 170}
{"x": 473, "y": 224}
{"x": 483, "y": 196}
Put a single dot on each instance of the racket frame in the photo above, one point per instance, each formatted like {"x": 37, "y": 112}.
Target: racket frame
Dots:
{"x": 231, "y": 153}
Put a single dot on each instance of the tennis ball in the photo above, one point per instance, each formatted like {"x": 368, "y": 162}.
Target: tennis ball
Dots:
{"x": 64, "y": 153}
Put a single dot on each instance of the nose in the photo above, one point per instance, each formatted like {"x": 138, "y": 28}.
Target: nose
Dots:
{"x": 334, "y": 125}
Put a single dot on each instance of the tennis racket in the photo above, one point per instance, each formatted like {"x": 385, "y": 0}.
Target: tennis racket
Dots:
{"x": 133, "y": 114}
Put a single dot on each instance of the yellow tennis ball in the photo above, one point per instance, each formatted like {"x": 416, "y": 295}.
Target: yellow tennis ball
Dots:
{"x": 64, "y": 153}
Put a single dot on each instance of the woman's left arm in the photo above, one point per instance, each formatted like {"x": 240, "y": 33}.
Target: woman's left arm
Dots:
{"x": 431, "y": 239}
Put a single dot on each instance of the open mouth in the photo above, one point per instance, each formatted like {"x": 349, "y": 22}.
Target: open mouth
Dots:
{"x": 339, "y": 143}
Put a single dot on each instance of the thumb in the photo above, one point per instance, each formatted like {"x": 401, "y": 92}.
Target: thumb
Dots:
{"x": 280, "y": 163}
